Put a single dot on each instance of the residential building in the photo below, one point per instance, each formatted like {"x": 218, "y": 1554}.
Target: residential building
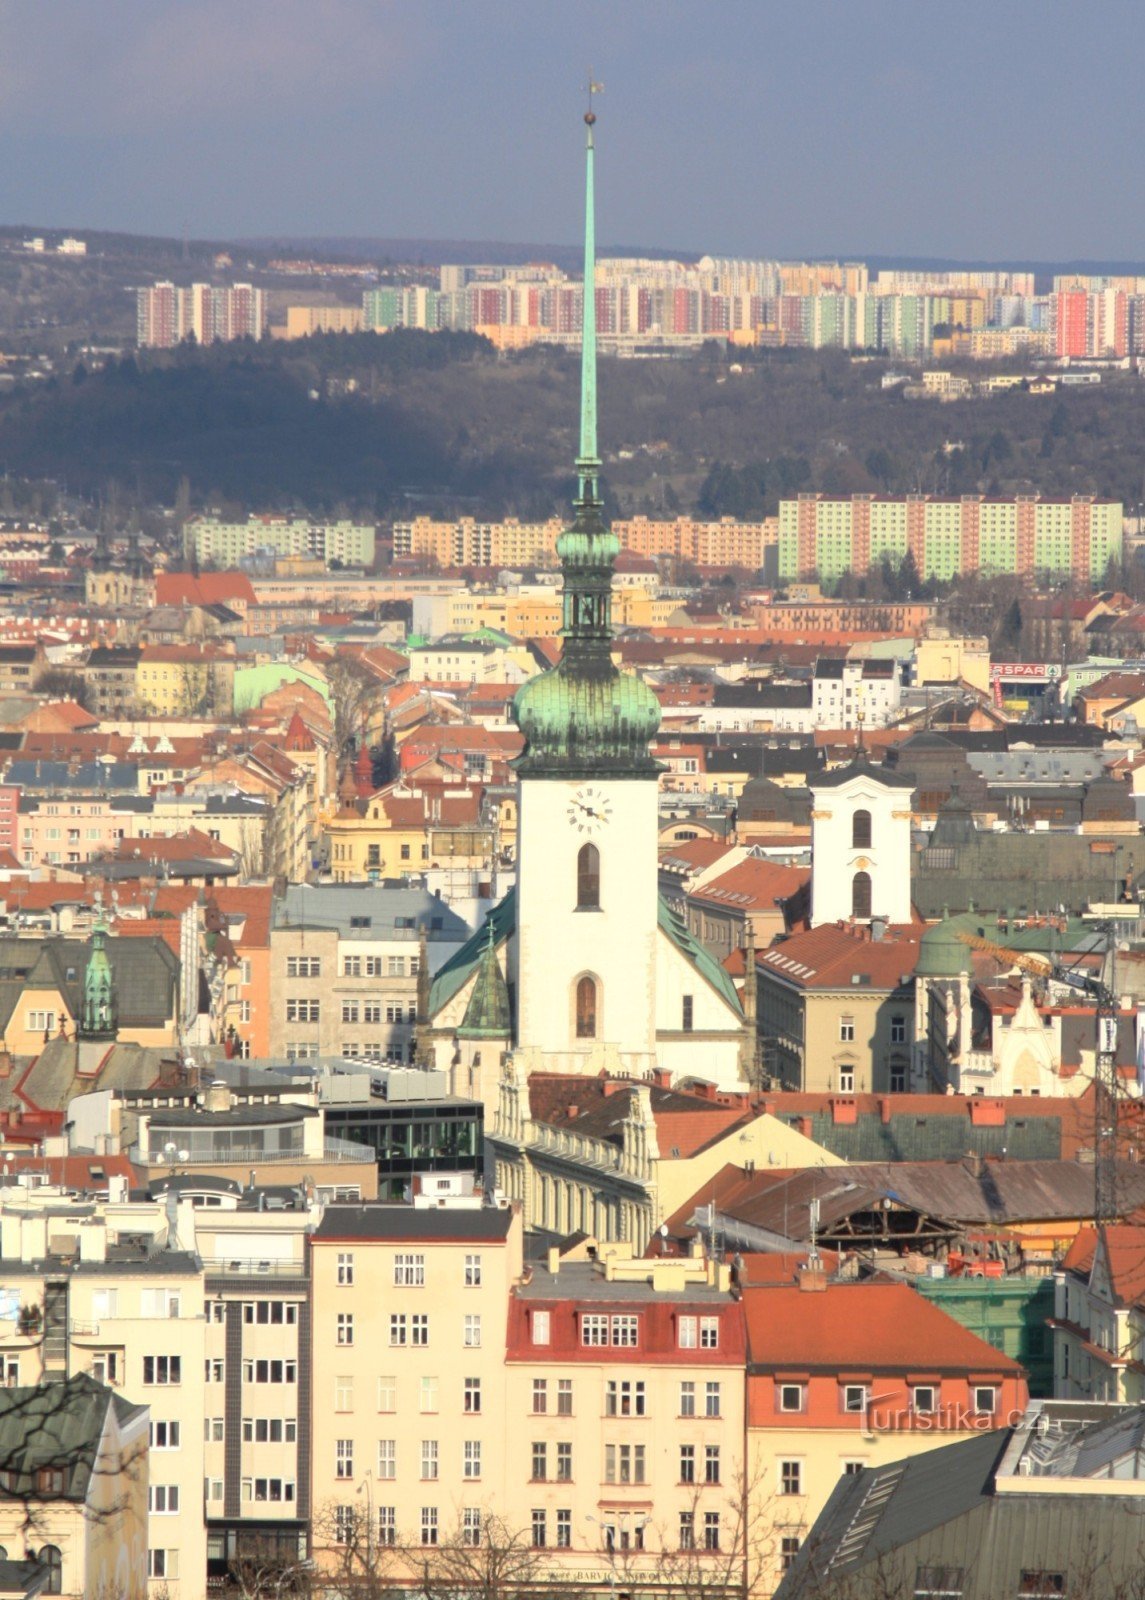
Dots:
{"x": 209, "y": 539}
{"x": 303, "y": 321}
{"x": 166, "y": 314}
{"x": 856, "y": 693}
{"x": 1030, "y": 535}
{"x": 345, "y": 963}
{"x": 1098, "y": 1322}
{"x": 847, "y": 1376}
{"x": 411, "y": 1425}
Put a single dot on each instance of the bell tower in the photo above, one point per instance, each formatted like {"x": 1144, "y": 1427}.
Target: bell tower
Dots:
{"x": 585, "y": 951}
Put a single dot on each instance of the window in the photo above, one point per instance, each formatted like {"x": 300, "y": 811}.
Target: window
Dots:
{"x": 350, "y": 1011}
{"x": 538, "y": 1529}
{"x": 540, "y": 1396}
{"x": 791, "y": 1477}
{"x": 687, "y": 1530}
{"x": 399, "y": 1332}
{"x": 898, "y": 1030}
{"x": 687, "y": 1463}
{"x": 564, "y": 1397}
{"x": 852, "y": 1468}
{"x": 270, "y": 1372}
{"x": 270, "y": 1430}
{"x": 345, "y": 1269}
{"x": 51, "y": 1557}
{"x": 711, "y": 1463}
{"x": 985, "y": 1398}
{"x": 588, "y": 878}
{"x": 343, "y": 1458}
{"x": 345, "y": 1327}
{"x": 471, "y": 1458}
{"x": 924, "y": 1399}
{"x": 938, "y": 1583}
{"x": 429, "y": 1524}
{"x": 387, "y": 1525}
{"x": 711, "y": 1530}
{"x": 623, "y": 1398}
{"x": 471, "y": 1526}
{"x": 214, "y": 1430}
{"x": 687, "y": 1014}
{"x": 540, "y": 1461}
{"x": 164, "y": 1436}
{"x": 164, "y": 1498}
{"x": 304, "y": 966}
{"x": 564, "y": 1530}
{"x": 687, "y": 1398}
{"x": 860, "y": 897}
{"x": 847, "y": 1030}
{"x": 898, "y": 1079}
{"x": 846, "y": 1080}
{"x": 302, "y": 1010}
{"x": 387, "y": 1458}
{"x": 104, "y": 1368}
{"x": 540, "y": 1327}
{"x": 791, "y": 1396}
{"x": 593, "y": 1329}
{"x": 409, "y": 1272}
{"x": 162, "y": 1369}
{"x": 1036, "y": 1583}
{"x": 271, "y": 1311}
{"x": 345, "y": 1520}
{"x": 586, "y": 1000}
{"x": 387, "y": 1393}
{"x": 428, "y": 1395}
{"x": 429, "y": 1459}
{"x": 712, "y": 1400}
{"x": 472, "y": 1400}
{"x": 473, "y": 1272}
{"x": 788, "y": 1550}
{"x": 687, "y": 1333}
{"x": 372, "y": 1011}
{"x": 709, "y": 1333}
{"x": 160, "y": 1564}
{"x": 564, "y": 1462}
{"x": 861, "y": 830}
{"x": 624, "y": 1463}
{"x": 472, "y": 1337}
{"x": 854, "y": 1397}
{"x": 213, "y": 1369}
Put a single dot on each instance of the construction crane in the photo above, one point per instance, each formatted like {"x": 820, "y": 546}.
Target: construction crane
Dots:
{"x": 1105, "y": 1083}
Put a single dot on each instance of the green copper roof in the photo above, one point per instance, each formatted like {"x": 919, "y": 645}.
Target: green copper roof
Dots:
{"x": 584, "y": 718}
{"x": 457, "y": 971}
{"x": 942, "y": 954}
{"x": 98, "y": 1017}
{"x": 703, "y": 961}
{"x": 487, "y": 1014}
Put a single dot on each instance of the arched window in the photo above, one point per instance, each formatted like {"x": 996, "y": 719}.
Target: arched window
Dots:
{"x": 861, "y": 830}
{"x": 586, "y": 1008}
{"x": 588, "y": 878}
{"x": 52, "y": 1557}
{"x": 861, "y": 896}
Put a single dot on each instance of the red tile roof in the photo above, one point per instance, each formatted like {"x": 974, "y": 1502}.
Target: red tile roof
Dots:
{"x": 829, "y": 957}
{"x": 208, "y": 589}
{"x": 753, "y": 885}
{"x": 857, "y": 1327}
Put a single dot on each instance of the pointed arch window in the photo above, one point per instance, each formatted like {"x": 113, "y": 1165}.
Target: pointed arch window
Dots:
{"x": 861, "y": 830}
{"x": 588, "y": 878}
{"x": 861, "y": 896}
{"x": 587, "y": 997}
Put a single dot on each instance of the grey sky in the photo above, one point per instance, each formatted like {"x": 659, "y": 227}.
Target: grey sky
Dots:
{"x": 973, "y": 128}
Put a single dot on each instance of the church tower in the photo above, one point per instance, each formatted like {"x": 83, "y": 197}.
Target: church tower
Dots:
{"x": 98, "y": 1019}
{"x": 584, "y": 959}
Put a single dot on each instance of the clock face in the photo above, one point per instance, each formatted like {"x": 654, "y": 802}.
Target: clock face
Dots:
{"x": 589, "y": 809}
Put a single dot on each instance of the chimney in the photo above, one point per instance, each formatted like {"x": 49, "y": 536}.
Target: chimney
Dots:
{"x": 812, "y": 1278}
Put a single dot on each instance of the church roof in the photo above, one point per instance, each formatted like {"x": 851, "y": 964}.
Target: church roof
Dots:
{"x": 457, "y": 971}
{"x": 703, "y": 961}
{"x": 488, "y": 1016}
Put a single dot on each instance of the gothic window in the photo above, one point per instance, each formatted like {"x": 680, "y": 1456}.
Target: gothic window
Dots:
{"x": 586, "y": 1001}
{"x": 861, "y": 830}
{"x": 588, "y": 878}
{"x": 861, "y": 896}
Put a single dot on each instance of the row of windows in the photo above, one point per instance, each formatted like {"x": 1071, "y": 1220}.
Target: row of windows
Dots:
{"x": 855, "y": 1397}
{"x": 623, "y": 1332}
{"x": 409, "y": 1270}
{"x": 350, "y": 1527}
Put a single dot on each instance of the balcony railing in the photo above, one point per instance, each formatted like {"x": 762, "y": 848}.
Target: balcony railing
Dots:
{"x": 333, "y": 1150}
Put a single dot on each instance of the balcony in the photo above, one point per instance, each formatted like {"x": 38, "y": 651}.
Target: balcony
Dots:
{"x": 333, "y": 1151}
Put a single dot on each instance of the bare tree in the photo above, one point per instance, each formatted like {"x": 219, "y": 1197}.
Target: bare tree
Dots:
{"x": 357, "y": 694}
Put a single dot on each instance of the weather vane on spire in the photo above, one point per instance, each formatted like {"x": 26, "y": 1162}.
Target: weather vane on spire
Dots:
{"x": 593, "y": 88}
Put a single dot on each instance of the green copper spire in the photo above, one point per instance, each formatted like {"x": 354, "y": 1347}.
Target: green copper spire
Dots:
{"x": 584, "y": 718}
{"x": 487, "y": 1014}
{"x": 98, "y": 1018}
{"x": 588, "y": 463}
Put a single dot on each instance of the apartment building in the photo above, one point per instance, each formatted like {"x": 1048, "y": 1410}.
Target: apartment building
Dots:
{"x": 1099, "y": 1316}
{"x": 469, "y": 543}
{"x": 1030, "y": 535}
{"x": 625, "y": 1421}
{"x": 725, "y": 542}
{"x": 344, "y": 967}
{"x": 845, "y": 1376}
{"x": 411, "y": 1429}
{"x": 210, "y": 539}
{"x": 167, "y": 314}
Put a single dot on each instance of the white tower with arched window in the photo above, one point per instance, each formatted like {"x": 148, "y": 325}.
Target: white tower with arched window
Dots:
{"x": 860, "y": 845}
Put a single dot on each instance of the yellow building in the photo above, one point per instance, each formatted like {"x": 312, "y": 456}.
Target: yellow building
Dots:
{"x": 176, "y": 680}
{"x": 302, "y": 321}
{"x": 411, "y": 1431}
{"x": 941, "y": 660}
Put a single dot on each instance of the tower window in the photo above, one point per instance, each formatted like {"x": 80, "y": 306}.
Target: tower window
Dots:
{"x": 861, "y": 896}
{"x": 688, "y": 1014}
{"x": 861, "y": 830}
{"x": 588, "y": 878}
{"x": 586, "y": 1008}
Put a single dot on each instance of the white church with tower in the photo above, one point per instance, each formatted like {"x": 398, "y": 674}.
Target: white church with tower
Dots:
{"x": 582, "y": 968}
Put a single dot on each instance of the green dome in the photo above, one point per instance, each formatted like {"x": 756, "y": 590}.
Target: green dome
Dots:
{"x": 577, "y": 725}
{"x": 942, "y": 954}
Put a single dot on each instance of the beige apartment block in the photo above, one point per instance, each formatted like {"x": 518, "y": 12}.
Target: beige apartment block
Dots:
{"x": 411, "y": 1431}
